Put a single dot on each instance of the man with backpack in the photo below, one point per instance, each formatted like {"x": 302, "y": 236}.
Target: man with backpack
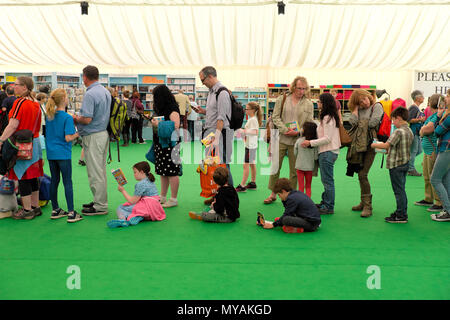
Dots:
{"x": 218, "y": 116}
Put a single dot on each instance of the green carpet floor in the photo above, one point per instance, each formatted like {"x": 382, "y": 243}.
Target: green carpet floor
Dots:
{"x": 180, "y": 258}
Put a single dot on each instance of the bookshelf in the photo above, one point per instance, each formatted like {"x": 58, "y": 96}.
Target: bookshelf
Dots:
{"x": 182, "y": 82}
{"x": 10, "y": 77}
{"x": 103, "y": 79}
{"x": 2, "y": 78}
{"x": 146, "y": 83}
{"x": 274, "y": 90}
{"x": 120, "y": 83}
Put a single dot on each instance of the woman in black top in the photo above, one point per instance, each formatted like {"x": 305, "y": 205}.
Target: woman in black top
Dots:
{"x": 168, "y": 162}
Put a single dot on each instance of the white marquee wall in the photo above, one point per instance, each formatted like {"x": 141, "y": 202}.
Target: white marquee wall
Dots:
{"x": 329, "y": 41}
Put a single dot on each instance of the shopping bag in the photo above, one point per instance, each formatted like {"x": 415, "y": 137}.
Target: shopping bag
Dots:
{"x": 206, "y": 170}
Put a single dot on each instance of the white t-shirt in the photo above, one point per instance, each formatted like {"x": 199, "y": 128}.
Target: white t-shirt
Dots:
{"x": 193, "y": 115}
{"x": 251, "y": 141}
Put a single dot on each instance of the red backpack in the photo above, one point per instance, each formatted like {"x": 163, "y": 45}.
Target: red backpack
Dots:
{"x": 384, "y": 127}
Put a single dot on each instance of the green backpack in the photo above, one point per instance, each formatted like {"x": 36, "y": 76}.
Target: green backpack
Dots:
{"x": 118, "y": 117}
{"x": 117, "y": 120}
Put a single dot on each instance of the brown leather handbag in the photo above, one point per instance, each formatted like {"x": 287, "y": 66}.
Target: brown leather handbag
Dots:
{"x": 346, "y": 140}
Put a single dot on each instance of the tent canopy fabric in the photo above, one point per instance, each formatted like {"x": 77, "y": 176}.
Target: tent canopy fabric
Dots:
{"x": 315, "y": 34}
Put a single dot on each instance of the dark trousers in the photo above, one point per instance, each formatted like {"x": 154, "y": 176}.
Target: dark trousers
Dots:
{"x": 136, "y": 129}
{"x": 126, "y": 130}
{"x": 398, "y": 181}
{"x": 63, "y": 167}
{"x": 298, "y": 222}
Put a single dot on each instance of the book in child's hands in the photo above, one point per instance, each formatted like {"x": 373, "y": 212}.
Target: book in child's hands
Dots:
{"x": 120, "y": 177}
{"x": 293, "y": 125}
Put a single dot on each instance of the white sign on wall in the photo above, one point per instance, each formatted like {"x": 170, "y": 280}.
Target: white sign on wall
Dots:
{"x": 431, "y": 82}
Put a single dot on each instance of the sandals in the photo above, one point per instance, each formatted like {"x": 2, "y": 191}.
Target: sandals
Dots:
{"x": 269, "y": 200}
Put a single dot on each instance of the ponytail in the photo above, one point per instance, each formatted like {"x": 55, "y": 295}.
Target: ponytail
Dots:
{"x": 256, "y": 107}
{"x": 56, "y": 99}
{"x": 145, "y": 167}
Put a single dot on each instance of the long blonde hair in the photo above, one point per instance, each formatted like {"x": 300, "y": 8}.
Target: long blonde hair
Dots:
{"x": 258, "y": 111}
{"x": 56, "y": 99}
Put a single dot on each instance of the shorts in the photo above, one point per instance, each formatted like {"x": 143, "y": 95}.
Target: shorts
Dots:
{"x": 250, "y": 155}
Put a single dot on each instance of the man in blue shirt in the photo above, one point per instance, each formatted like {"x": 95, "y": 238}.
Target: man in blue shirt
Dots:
{"x": 92, "y": 123}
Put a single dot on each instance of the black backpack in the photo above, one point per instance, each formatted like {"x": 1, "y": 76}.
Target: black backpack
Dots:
{"x": 237, "y": 111}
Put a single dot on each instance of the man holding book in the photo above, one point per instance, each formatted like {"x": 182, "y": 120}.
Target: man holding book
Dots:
{"x": 294, "y": 112}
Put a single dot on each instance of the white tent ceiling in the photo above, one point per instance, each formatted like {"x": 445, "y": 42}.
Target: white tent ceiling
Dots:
{"x": 314, "y": 34}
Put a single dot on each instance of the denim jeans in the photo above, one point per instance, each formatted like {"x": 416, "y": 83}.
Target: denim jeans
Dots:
{"x": 416, "y": 149}
{"x": 124, "y": 211}
{"x": 326, "y": 165}
{"x": 63, "y": 167}
{"x": 398, "y": 181}
{"x": 440, "y": 178}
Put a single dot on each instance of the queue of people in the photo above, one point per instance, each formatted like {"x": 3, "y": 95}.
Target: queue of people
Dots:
{"x": 314, "y": 144}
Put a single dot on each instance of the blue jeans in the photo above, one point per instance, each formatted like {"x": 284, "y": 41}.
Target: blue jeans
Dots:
{"x": 326, "y": 165}
{"x": 440, "y": 178}
{"x": 124, "y": 211}
{"x": 416, "y": 149}
{"x": 398, "y": 181}
{"x": 63, "y": 167}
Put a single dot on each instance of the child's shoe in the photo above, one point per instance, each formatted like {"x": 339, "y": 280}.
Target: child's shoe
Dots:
{"x": 240, "y": 188}
{"x": 195, "y": 216}
{"x": 117, "y": 223}
{"x": 74, "y": 217}
{"x": 394, "y": 219}
{"x": 260, "y": 221}
{"x": 135, "y": 220}
{"x": 289, "y": 229}
{"x": 251, "y": 186}
{"x": 81, "y": 163}
{"x": 58, "y": 213}
{"x": 441, "y": 217}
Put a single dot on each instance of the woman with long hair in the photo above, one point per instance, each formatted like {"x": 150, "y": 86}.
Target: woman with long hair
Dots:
{"x": 366, "y": 114}
{"x": 26, "y": 115}
{"x": 329, "y": 142}
{"x": 166, "y": 143}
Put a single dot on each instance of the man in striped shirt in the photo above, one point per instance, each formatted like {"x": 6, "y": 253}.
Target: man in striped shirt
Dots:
{"x": 398, "y": 156}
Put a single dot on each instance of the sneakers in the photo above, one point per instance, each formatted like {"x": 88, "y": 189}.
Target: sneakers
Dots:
{"x": 251, "y": 186}
{"x": 58, "y": 213}
{"x": 240, "y": 188}
{"x": 91, "y": 211}
{"x": 195, "y": 216}
{"x": 81, "y": 163}
{"x": 435, "y": 208}
{"x": 37, "y": 211}
{"x": 170, "y": 203}
{"x": 23, "y": 214}
{"x": 441, "y": 217}
{"x": 323, "y": 210}
{"x": 394, "y": 219}
{"x": 117, "y": 223}
{"x": 74, "y": 217}
{"x": 289, "y": 229}
{"x": 423, "y": 203}
{"x": 88, "y": 205}
{"x": 414, "y": 173}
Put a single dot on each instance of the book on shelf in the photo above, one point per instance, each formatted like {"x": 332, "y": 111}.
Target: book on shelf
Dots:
{"x": 119, "y": 176}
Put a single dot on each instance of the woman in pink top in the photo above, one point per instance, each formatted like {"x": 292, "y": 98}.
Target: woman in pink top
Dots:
{"x": 329, "y": 143}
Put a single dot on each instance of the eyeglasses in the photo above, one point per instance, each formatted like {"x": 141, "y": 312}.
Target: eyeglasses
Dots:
{"x": 203, "y": 80}
{"x": 298, "y": 88}
{"x": 17, "y": 84}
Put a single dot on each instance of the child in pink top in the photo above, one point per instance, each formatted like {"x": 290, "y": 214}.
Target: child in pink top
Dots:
{"x": 329, "y": 144}
{"x": 144, "y": 204}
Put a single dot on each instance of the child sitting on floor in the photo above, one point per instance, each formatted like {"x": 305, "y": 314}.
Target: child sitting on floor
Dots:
{"x": 306, "y": 158}
{"x": 225, "y": 207}
{"x": 144, "y": 204}
{"x": 300, "y": 212}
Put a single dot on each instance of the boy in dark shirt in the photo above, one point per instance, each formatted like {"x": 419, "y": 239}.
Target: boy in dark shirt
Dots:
{"x": 300, "y": 212}
{"x": 225, "y": 207}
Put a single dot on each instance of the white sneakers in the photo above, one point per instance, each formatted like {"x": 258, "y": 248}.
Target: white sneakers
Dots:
{"x": 169, "y": 203}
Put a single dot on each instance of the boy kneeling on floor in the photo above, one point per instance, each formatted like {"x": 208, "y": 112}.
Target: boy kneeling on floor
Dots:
{"x": 300, "y": 212}
{"x": 225, "y": 207}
